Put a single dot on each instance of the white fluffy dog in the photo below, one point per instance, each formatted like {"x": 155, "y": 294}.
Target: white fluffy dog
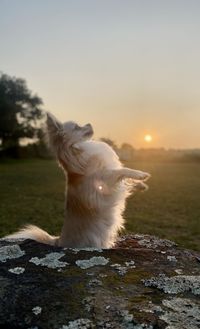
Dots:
{"x": 97, "y": 187}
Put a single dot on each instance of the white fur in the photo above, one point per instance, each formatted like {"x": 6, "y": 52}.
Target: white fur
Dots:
{"x": 34, "y": 233}
{"x": 96, "y": 190}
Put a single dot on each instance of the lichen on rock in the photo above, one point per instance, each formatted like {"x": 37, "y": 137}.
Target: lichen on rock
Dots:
{"x": 171, "y": 258}
{"x": 17, "y": 270}
{"x": 153, "y": 242}
{"x": 119, "y": 268}
{"x": 76, "y": 250}
{"x": 37, "y": 310}
{"x": 51, "y": 260}
{"x": 10, "y": 252}
{"x": 181, "y": 313}
{"x": 128, "y": 322}
{"x": 94, "y": 261}
{"x": 122, "y": 269}
{"x": 79, "y": 324}
{"x": 175, "y": 284}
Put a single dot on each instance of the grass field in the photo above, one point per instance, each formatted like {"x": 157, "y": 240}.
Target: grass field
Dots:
{"x": 32, "y": 191}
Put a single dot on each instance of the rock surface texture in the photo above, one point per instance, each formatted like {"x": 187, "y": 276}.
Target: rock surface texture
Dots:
{"x": 144, "y": 282}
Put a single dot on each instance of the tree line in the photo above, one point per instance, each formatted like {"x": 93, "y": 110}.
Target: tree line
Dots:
{"x": 22, "y": 117}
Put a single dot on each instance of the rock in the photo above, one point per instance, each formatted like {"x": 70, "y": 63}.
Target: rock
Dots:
{"x": 144, "y": 282}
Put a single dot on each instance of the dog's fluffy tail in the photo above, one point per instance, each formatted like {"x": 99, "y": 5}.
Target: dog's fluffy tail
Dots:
{"x": 34, "y": 233}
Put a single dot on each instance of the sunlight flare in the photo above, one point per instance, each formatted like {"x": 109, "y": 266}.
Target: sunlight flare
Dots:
{"x": 148, "y": 138}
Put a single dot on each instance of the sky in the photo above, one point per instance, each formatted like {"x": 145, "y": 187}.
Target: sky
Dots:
{"x": 129, "y": 67}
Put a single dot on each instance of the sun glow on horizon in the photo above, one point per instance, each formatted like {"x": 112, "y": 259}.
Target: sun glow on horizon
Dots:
{"x": 148, "y": 138}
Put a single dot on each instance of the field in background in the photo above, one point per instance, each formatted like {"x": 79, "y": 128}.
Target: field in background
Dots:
{"x": 32, "y": 191}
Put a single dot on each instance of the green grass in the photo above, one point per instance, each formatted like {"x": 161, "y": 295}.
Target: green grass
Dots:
{"x": 32, "y": 191}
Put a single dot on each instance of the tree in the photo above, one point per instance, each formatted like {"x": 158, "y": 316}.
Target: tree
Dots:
{"x": 20, "y": 111}
{"x": 110, "y": 142}
{"x": 126, "y": 152}
{"x": 128, "y": 147}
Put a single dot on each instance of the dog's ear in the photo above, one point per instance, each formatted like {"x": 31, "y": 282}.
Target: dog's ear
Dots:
{"x": 53, "y": 124}
{"x": 55, "y": 129}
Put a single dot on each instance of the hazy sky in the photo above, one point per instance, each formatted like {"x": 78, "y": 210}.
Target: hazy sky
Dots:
{"x": 129, "y": 67}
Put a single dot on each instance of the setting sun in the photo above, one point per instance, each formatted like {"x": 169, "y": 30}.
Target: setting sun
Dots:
{"x": 148, "y": 138}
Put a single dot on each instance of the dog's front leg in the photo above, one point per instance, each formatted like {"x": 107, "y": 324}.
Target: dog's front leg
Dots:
{"x": 114, "y": 176}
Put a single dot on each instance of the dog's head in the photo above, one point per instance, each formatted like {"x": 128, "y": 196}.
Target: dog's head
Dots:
{"x": 68, "y": 132}
{"x": 64, "y": 139}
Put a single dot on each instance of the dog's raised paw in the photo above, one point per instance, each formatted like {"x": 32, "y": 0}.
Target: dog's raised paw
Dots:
{"x": 140, "y": 186}
{"x": 146, "y": 176}
{"x": 141, "y": 175}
